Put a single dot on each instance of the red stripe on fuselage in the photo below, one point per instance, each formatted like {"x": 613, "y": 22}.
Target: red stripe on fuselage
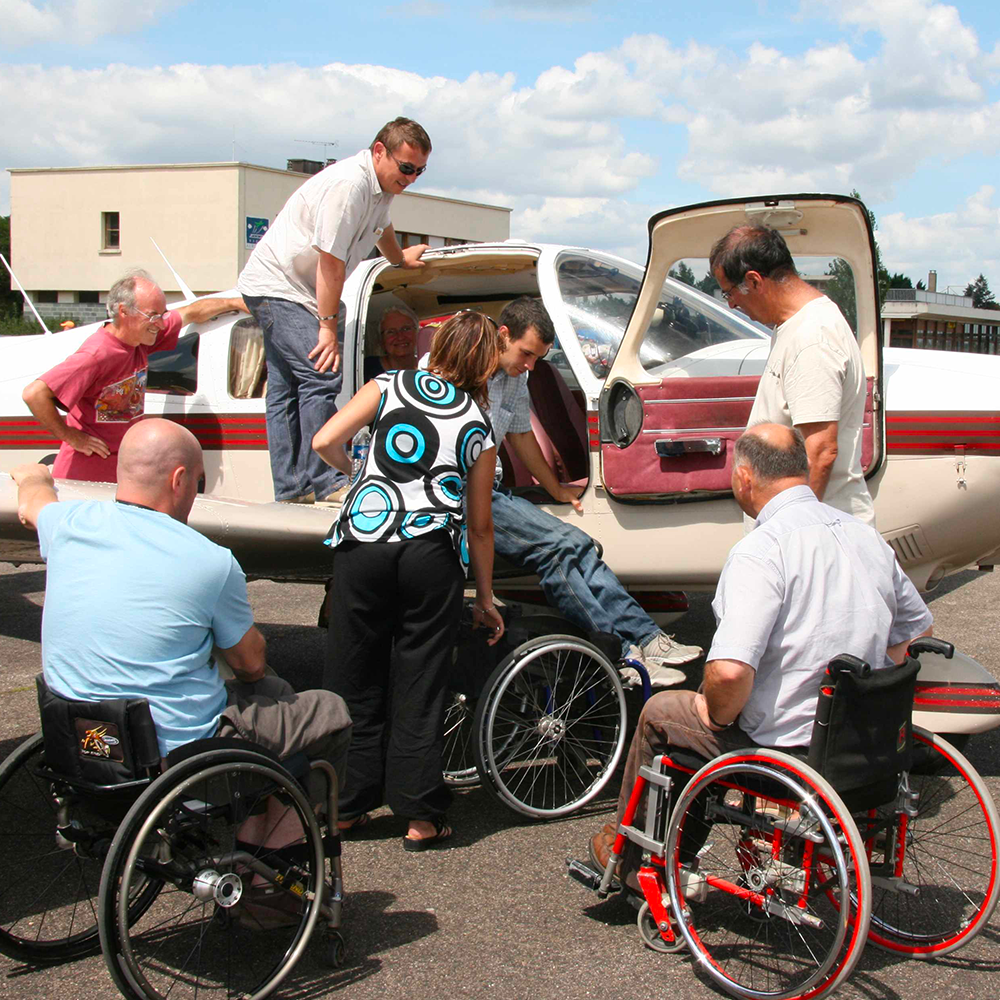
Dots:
{"x": 225, "y": 432}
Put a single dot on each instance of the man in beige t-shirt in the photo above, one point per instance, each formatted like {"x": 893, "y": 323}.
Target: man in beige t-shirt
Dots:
{"x": 814, "y": 378}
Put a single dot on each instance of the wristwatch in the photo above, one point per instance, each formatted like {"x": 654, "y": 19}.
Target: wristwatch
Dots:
{"x": 323, "y": 319}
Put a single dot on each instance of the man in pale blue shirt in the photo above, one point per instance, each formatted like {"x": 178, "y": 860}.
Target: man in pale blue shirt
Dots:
{"x": 807, "y": 583}
{"x": 136, "y": 600}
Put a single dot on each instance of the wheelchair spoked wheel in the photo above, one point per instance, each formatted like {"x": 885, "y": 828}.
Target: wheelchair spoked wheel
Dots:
{"x": 783, "y": 906}
{"x": 232, "y": 916}
{"x": 951, "y": 856}
{"x": 550, "y": 726}
{"x": 48, "y": 891}
{"x": 459, "y": 756}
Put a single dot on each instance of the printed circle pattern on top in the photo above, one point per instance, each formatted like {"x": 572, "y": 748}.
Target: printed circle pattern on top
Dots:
{"x": 426, "y": 437}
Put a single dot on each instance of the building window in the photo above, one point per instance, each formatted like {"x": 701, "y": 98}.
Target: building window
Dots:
{"x": 46, "y": 296}
{"x": 110, "y": 231}
{"x": 93, "y": 298}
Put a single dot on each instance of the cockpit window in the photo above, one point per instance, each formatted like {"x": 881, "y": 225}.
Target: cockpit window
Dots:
{"x": 598, "y": 298}
{"x": 175, "y": 372}
{"x": 687, "y": 325}
{"x": 247, "y": 371}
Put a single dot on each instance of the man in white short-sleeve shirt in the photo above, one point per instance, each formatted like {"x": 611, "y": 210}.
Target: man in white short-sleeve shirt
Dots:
{"x": 814, "y": 378}
{"x": 292, "y": 285}
{"x": 805, "y": 585}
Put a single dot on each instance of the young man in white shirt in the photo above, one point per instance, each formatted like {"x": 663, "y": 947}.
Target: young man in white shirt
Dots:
{"x": 292, "y": 285}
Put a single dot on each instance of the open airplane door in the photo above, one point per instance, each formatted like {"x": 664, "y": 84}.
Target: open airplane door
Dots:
{"x": 680, "y": 389}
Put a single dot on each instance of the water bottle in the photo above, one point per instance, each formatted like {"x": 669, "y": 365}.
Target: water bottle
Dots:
{"x": 359, "y": 452}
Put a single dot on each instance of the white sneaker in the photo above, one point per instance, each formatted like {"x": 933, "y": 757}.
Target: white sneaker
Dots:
{"x": 661, "y": 650}
{"x": 659, "y": 675}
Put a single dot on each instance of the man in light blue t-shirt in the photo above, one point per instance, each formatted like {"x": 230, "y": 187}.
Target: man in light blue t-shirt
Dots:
{"x": 136, "y": 601}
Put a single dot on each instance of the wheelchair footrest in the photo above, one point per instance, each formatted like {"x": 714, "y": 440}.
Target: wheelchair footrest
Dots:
{"x": 588, "y": 876}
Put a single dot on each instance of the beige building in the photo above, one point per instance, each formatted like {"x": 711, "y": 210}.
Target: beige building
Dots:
{"x": 74, "y": 230}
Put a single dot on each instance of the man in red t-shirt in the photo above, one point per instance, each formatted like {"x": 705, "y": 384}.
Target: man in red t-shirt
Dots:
{"x": 102, "y": 385}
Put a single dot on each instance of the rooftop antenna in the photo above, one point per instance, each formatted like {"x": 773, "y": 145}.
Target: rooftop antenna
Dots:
{"x": 320, "y": 142}
{"x": 20, "y": 288}
{"x": 188, "y": 294}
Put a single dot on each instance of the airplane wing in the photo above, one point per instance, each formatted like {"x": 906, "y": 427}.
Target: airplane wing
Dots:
{"x": 274, "y": 540}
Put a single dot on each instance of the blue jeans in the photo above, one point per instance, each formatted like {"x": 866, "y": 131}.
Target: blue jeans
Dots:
{"x": 575, "y": 580}
{"x": 299, "y": 398}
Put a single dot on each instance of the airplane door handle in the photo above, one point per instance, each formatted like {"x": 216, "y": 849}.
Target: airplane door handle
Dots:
{"x": 675, "y": 449}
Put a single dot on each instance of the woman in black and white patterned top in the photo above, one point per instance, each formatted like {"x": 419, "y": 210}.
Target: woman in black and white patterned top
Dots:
{"x": 402, "y": 550}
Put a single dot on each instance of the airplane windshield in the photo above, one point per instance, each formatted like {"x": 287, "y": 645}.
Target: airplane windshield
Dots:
{"x": 599, "y": 299}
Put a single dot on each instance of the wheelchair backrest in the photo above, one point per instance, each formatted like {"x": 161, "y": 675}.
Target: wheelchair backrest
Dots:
{"x": 863, "y": 734}
{"x": 99, "y": 743}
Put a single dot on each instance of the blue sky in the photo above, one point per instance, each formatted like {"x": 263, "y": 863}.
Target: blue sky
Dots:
{"x": 584, "y": 116}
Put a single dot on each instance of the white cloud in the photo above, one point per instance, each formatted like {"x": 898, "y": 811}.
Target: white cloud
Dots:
{"x": 959, "y": 245}
{"x": 77, "y": 21}
{"x": 483, "y": 129}
{"x": 569, "y": 149}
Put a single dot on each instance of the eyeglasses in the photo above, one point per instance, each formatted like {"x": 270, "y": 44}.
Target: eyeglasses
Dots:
{"x": 728, "y": 294}
{"x": 399, "y": 331}
{"x": 152, "y": 317}
{"x": 406, "y": 169}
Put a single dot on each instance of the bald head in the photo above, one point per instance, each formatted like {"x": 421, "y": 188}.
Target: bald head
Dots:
{"x": 767, "y": 459}
{"x": 159, "y": 465}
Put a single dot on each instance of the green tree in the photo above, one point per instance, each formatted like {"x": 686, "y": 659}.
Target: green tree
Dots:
{"x": 681, "y": 272}
{"x": 708, "y": 284}
{"x": 982, "y": 297}
{"x": 10, "y": 301}
{"x": 840, "y": 288}
{"x": 900, "y": 280}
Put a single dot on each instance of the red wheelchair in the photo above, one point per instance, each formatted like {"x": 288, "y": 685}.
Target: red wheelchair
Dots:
{"x": 773, "y": 870}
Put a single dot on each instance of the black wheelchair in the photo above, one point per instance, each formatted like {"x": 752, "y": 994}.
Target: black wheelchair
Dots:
{"x": 540, "y": 720}
{"x": 773, "y": 870}
{"x": 207, "y": 871}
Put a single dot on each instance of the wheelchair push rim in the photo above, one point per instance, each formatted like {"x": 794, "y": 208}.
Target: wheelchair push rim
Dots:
{"x": 550, "y": 726}
{"x": 767, "y": 927}
{"x": 206, "y": 930}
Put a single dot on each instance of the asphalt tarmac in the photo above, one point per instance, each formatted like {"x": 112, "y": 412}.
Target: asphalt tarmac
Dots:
{"x": 494, "y": 915}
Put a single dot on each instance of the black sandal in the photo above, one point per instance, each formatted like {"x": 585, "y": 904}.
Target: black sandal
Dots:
{"x": 441, "y": 833}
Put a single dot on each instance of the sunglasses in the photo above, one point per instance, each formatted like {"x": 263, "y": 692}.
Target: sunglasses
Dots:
{"x": 406, "y": 169}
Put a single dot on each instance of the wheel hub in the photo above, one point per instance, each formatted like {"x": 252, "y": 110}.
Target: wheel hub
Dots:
{"x": 225, "y": 890}
{"x": 551, "y": 728}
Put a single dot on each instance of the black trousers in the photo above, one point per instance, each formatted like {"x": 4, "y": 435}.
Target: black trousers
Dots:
{"x": 394, "y": 615}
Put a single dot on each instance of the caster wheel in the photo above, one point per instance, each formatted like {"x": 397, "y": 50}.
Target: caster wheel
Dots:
{"x": 650, "y": 933}
{"x": 336, "y": 949}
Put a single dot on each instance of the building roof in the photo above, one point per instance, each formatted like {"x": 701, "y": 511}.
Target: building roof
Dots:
{"x": 227, "y": 165}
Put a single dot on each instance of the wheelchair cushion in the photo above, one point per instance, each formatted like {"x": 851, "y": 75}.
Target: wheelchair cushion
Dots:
{"x": 99, "y": 742}
{"x": 863, "y": 735}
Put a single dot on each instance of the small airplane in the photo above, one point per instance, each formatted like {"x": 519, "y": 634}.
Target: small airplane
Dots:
{"x": 647, "y": 386}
